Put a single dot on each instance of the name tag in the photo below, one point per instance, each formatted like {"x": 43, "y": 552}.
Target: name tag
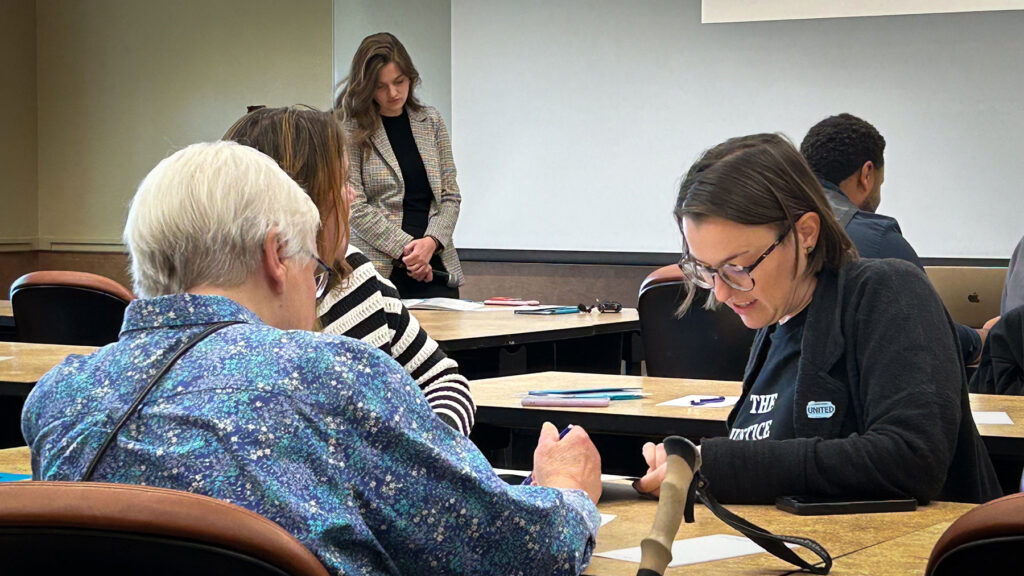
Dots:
{"x": 819, "y": 410}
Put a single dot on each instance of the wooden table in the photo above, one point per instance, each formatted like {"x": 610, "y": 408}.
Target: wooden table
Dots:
{"x": 26, "y": 364}
{"x": 498, "y": 403}
{"x": 503, "y": 327}
{"x": 892, "y": 544}
{"x": 16, "y": 461}
{"x": 852, "y": 535}
{"x": 498, "y": 342}
{"x": 7, "y": 330}
{"x": 903, "y": 556}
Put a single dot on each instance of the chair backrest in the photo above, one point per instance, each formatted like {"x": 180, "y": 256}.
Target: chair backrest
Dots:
{"x": 986, "y": 540}
{"x": 75, "y": 308}
{"x": 705, "y": 344}
{"x": 98, "y": 528}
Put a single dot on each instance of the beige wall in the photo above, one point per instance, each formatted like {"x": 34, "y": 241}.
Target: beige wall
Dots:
{"x": 123, "y": 83}
{"x": 18, "y": 145}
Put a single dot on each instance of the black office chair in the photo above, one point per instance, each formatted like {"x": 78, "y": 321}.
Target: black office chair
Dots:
{"x": 75, "y": 308}
{"x": 97, "y": 528}
{"x": 986, "y": 540}
{"x": 703, "y": 344}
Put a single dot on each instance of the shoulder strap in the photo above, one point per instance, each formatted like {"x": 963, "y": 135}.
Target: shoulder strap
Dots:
{"x": 773, "y": 543}
{"x": 147, "y": 389}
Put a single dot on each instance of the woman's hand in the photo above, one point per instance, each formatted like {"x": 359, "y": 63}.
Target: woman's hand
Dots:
{"x": 416, "y": 257}
{"x": 656, "y": 468}
{"x": 572, "y": 463}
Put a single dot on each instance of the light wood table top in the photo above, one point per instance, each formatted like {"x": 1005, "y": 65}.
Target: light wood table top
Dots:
{"x": 25, "y": 363}
{"x": 16, "y": 460}
{"x": 500, "y": 326}
{"x": 903, "y": 556}
{"x": 895, "y": 543}
{"x": 840, "y": 535}
{"x": 6, "y": 313}
{"x": 498, "y": 403}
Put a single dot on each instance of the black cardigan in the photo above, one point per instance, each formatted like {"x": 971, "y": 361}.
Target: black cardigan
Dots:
{"x": 877, "y": 342}
{"x": 1002, "y": 360}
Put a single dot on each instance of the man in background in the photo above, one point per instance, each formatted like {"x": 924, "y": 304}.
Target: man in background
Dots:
{"x": 847, "y": 155}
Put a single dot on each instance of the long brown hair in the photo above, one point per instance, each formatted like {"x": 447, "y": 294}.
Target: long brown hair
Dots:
{"x": 355, "y": 93}
{"x": 756, "y": 180}
{"x": 310, "y": 146}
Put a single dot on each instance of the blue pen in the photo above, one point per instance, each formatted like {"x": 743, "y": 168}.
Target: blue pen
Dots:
{"x": 704, "y": 401}
{"x": 529, "y": 479}
{"x": 608, "y": 395}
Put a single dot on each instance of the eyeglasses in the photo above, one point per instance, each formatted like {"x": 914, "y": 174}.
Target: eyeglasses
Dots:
{"x": 608, "y": 306}
{"x": 737, "y": 277}
{"x": 322, "y": 276}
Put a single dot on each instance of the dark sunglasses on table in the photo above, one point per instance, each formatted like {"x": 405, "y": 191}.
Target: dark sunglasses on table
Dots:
{"x": 608, "y": 306}
{"x": 737, "y": 277}
{"x": 322, "y": 277}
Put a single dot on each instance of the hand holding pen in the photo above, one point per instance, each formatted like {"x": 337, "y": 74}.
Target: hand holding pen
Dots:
{"x": 568, "y": 460}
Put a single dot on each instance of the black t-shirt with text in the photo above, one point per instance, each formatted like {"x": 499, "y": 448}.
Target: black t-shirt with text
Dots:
{"x": 767, "y": 411}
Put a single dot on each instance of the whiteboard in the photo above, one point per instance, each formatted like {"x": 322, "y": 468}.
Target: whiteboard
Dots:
{"x": 575, "y": 120}
{"x": 747, "y": 11}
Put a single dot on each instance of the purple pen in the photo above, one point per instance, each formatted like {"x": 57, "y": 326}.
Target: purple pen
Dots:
{"x": 529, "y": 479}
{"x": 704, "y": 401}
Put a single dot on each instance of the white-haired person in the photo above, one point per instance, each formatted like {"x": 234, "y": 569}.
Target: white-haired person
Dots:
{"x": 325, "y": 435}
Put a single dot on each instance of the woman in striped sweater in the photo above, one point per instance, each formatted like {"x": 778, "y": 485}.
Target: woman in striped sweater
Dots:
{"x": 362, "y": 305}
{"x": 367, "y": 307}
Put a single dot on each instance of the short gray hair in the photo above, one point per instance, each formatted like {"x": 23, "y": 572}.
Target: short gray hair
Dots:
{"x": 202, "y": 214}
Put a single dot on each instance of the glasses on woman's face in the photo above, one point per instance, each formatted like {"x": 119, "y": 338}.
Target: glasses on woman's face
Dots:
{"x": 322, "y": 276}
{"x": 737, "y": 277}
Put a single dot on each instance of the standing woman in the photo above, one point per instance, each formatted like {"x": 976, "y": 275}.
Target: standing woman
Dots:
{"x": 402, "y": 170}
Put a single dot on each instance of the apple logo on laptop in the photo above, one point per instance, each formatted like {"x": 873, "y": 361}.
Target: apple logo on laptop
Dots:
{"x": 973, "y": 298}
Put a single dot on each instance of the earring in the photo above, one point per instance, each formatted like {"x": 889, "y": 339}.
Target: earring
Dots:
{"x": 809, "y": 250}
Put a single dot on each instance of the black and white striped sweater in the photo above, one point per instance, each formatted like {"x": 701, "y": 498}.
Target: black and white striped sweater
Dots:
{"x": 367, "y": 307}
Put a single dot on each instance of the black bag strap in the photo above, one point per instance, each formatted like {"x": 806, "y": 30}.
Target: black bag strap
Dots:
{"x": 773, "y": 543}
{"x": 147, "y": 389}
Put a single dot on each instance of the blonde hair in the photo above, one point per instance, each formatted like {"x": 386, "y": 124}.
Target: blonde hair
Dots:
{"x": 202, "y": 214}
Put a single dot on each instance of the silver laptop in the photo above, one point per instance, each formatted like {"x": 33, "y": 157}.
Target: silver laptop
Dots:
{"x": 971, "y": 294}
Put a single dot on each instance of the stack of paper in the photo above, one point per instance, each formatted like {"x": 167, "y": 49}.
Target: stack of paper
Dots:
{"x": 441, "y": 304}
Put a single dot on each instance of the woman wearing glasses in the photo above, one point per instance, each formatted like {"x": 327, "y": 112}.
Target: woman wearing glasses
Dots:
{"x": 309, "y": 145}
{"x": 406, "y": 198}
{"x": 853, "y": 388}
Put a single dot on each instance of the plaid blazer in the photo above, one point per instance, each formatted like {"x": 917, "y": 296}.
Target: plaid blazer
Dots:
{"x": 377, "y": 211}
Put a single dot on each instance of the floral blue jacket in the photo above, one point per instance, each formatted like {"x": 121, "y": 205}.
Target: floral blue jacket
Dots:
{"x": 324, "y": 435}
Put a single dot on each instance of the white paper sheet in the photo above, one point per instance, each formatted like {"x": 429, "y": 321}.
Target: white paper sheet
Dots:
{"x": 2, "y": 358}
{"x": 606, "y": 518}
{"x": 696, "y": 550}
{"x": 992, "y": 418}
{"x": 685, "y": 401}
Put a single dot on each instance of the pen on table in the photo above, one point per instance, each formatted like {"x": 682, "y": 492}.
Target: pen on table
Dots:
{"x": 529, "y": 479}
{"x": 608, "y": 395}
{"x": 628, "y": 389}
{"x": 704, "y": 401}
{"x": 561, "y": 401}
